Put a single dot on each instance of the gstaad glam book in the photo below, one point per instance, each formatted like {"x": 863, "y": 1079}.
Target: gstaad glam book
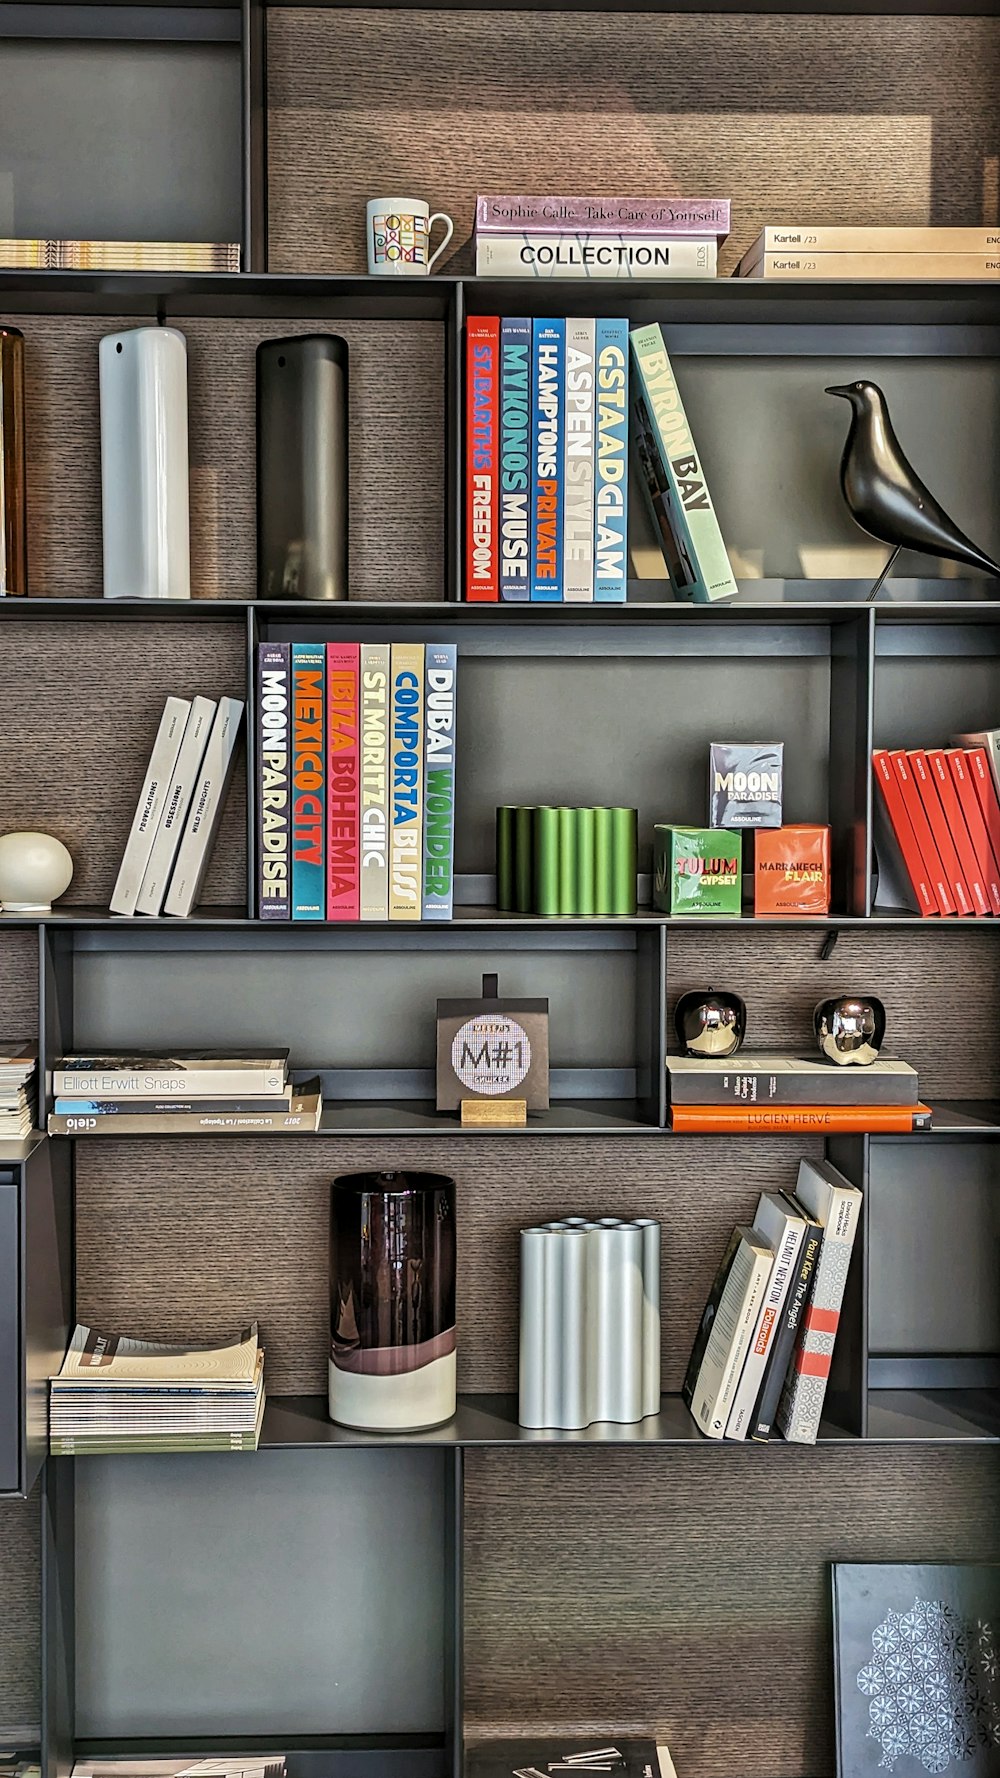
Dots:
{"x": 611, "y": 463}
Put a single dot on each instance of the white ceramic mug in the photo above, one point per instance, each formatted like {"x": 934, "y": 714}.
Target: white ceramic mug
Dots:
{"x": 399, "y": 232}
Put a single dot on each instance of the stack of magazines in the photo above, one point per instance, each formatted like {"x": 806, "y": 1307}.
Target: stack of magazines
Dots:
{"x": 18, "y": 1100}
{"x": 115, "y": 1394}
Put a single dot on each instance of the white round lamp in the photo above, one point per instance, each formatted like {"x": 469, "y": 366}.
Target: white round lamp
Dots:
{"x": 35, "y": 869}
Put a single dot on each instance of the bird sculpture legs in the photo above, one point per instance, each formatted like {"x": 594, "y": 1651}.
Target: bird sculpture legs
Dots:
{"x": 883, "y": 574}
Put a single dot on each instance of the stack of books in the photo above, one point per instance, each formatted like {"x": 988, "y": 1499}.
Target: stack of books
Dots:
{"x": 747, "y": 1094}
{"x": 356, "y": 780}
{"x": 194, "y": 1092}
{"x": 180, "y": 806}
{"x": 18, "y": 1090}
{"x": 763, "y": 1352}
{"x": 894, "y": 253}
{"x": 937, "y": 827}
{"x": 116, "y": 1395}
{"x": 539, "y": 237}
{"x": 121, "y": 256}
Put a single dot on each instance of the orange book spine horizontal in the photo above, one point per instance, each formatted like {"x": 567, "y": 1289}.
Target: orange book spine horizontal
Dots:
{"x": 798, "y": 1119}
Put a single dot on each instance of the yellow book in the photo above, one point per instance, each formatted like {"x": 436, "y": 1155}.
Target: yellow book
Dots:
{"x": 406, "y": 702}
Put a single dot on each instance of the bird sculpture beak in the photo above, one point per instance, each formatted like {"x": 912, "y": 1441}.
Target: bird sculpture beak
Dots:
{"x": 839, "y": 389}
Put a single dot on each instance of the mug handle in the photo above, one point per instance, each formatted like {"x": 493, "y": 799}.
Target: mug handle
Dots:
{"x": 439, "y": 216}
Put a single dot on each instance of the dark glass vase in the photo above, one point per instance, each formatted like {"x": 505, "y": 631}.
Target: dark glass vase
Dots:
{"x": 13, "y": 523}
{"x": 392, "y": 1301}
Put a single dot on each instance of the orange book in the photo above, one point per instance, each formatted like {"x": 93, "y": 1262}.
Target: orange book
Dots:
{"x": 799, "y": 1120}
{"x": 975, "y": 821}
{"x": 921, "y": 830}
{"x": 899, "y": 823}
{"x": 944, "y": 840}
{"x": 982, "y": 778}
{"x": 937, "y": 765}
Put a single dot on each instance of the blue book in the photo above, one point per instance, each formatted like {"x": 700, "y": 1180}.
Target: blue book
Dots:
{"x": 515, "y": 458}
{"x": 611, "y": 463}
{"x": 440, "y": 702}
{"x": 548, "y": 386}
{"x": 308, "y": 781}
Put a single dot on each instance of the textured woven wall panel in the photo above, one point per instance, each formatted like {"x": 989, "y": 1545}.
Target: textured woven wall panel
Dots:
{"x": 687, "y": 1591}
{"x": 72, "y": 762}
{"x": 397, "y": 454}
{"x": 940, "y": 989}
{"x": 19, "y": 984}
{"x": 20, "y": 1615}
{"x": 869, "y": 120}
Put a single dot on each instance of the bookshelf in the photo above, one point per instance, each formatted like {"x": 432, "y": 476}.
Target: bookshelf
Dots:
{"x": 401, "y": 1595}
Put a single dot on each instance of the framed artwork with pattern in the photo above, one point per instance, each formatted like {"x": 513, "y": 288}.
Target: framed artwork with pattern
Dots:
{"x": 917, "y": 1668}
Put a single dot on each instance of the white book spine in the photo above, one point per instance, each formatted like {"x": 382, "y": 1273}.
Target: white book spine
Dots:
{"x": 837, "y": 1205}
{"x": 553, "y": 255}
{"x": 205, "y": 812}
{"x": 374, "y": 779}
{"x": 784, "y": 1231}
{"x": 144, "y": 464}
{"x": 160, "y": 1081}
{"x": 175, "y": 809}
{"x": 734, "y": 1323}
{"x": 578, "y": 463}
{"x": 149, "y": 808}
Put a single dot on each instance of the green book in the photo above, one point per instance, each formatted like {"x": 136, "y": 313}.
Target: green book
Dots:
{"x": 697, "y": 870}
{"x": 672, "y": 476}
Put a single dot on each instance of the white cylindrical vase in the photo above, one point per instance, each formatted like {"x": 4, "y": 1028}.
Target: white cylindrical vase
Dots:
{"x": 144, "y": 464}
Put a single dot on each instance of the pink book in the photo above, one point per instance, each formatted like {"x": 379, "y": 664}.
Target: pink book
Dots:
{"x": 343, "y": 872}
{"x": 625, "y": 216}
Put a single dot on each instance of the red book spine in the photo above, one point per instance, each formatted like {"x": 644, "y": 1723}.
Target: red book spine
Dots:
{"x": 943, "y": 838}
{"x": 892, "y": 796}
{"x": 482, "y": 454}
{"x": 954, "y": 820}
{"x": 343, "y": 872}
{"x": 989, "y": 868}
{"x": 986, "y": 791}
{"x": 921, "y": 831}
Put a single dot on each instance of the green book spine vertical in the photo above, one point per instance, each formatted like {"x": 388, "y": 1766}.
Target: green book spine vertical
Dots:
{"x": 524, "y": 822}
{"x": 547, "y": 861}
{"x": 567, "y": 861}
{"x": 506, "y": 844}
{"x": 624, "y": 847}
{"x": 586, "y": 866}
{"x": 603, "y": 872}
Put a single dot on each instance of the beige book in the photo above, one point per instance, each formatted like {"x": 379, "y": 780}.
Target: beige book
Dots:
{"x": 876, "y": 267}
{"x": 774, "y": 239}
{"x": 113, "y": 1358}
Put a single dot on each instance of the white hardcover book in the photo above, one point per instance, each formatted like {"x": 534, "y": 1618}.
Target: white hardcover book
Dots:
{"x": 578, "y": 462}
{"x": 834, "y": 1202}
{"x": 374, "y": 779}
{"x": 168, "y": 834}
{"x": 732, "y": 1328}
{"x": 555, "y": 254}
{"x": 144, "y": 464}
{"x": 777, "y": 1223}
{"x": 205, "y": 812}
{"x": 149, "y": 808}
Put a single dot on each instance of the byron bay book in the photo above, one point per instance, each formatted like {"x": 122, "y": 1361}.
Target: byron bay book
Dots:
{"x": 782, "y": 1225}
{"x": 834, "y": 1202}
{"x": 724, "y": 1334}
{"x": 748, "y": 1079}
{"x": 374, "y": 867}
{"x": 440, "y": 688}
{"x": 149, "y": 809}
{"x": 195, "y": 1074}
{"x": 273, "y": 782}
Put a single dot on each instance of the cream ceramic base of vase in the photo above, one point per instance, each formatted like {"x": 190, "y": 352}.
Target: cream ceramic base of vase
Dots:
{"x": 411, "y": 1401}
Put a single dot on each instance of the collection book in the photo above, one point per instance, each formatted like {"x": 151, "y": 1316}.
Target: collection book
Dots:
{"x": 667, "y": 436}
{"x": 482, "y": 367}
{"x": 782, "y": 1225}
{"x": 675, "y": 216}
{"x": 846, "y": 239}
{"x": 273, "y": 782}
{"x": 697, "y": 870}
{"x": 342, "y": 787}
{"x": 726, "y": 1329}
{"x": 745, "y": 783}
{"x": 308, "y": 781}
{"x": 152, "y": 800}
{"x": 784, "y": 1338}
{"x": 578, "y": 494}
{"x": 191, "y": 1074}
{"x": 205, "y": 813}
{"x": 611, "y": 463}
{"x": 180, "y": 793}
{"x": 585, "y": 254}
{"x": 788, "y": 1120}
{"x": 791, "y": 870}
{"x": 154, "y": 256}
{"x": 837, "y": 1204}
{"x": 406, "y": 788}
{"x": 903, "y": 267}
{"x": 515, "y": 457}
{"x": 440, "y": 671}
{"x": 787, "y": 1080}
{"x": 302, "y": 1112}
{"x": 374, "y": 867}
{"x": 548, "y": 362}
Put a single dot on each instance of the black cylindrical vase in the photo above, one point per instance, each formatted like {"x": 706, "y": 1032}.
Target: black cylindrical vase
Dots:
{"x": 302, "y": 467}
{"x": 392, "y": 1301}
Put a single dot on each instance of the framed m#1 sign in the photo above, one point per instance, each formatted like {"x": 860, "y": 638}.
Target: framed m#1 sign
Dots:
{"x": 492, "y": 1049}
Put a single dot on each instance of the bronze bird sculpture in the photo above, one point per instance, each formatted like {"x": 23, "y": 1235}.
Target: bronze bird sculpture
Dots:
{"x": 885, "y": 495}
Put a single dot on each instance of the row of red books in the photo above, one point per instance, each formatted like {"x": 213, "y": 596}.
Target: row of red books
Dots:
{"x": 937, "y": 836}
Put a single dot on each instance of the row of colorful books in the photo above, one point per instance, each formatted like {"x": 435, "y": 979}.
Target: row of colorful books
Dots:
{"x": 356, "y": 759}
{"x": 120, "y": 256}
{"x": 937, "y": 826}
{"x": 539, "y": 237}
{"x": 115, "y": 1395}
{"x": 778, "y": 1094}
{"x": 180, "y": 806}
{"x": 546, "y": 465}
{"x": 194, "y": 1092}
{"x": 762, "y": 1355}
{"x": 896, "y": 253}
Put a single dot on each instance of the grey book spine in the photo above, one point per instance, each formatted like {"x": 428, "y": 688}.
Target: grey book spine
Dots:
{"x": 302, "y": 475}
{"x": 195, "y": 850}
